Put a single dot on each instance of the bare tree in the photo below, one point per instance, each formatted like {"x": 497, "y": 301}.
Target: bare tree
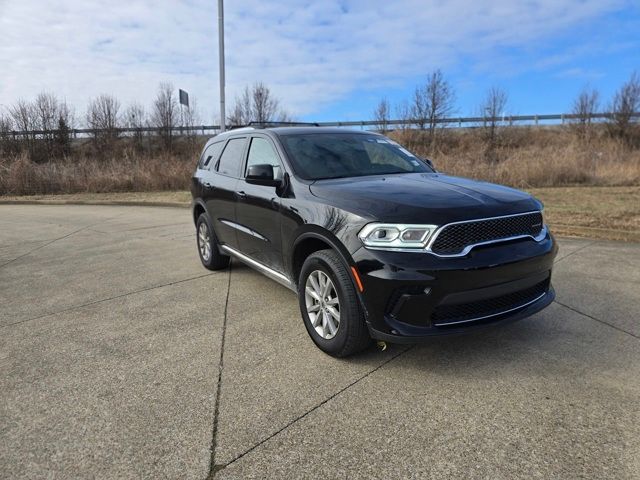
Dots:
{"x": 265, "y": 106}
{"x": 241, "y": 113}
{"x": 24, "y": 120}
{"x": 403, "y": 112}
{"x": 626, "y": 103}
{"x": 256, "y": 104}
{"x": 23, "y": 115}
{"x": 6, "y": 123}
{"x": 190, "y": 118}
{"x": 6, "y": 126}
{"x": 381, "y": 114}
{"x": 47, "y": 112}
{"x": 164, "y": 115}
{"x": 492, "y": 108}
{"x": 54, "y": 120}
{"x": 103, "y": 115}
{"x": 432, "y": 103}
{"x": 135, "y": 117}
{"x": 585, "y": 105}
{"x": 419, "y": 107}
{"x": 41, "y": 122}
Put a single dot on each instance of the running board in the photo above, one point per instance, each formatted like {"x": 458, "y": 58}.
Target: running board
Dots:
{"x": 269, "y": 272}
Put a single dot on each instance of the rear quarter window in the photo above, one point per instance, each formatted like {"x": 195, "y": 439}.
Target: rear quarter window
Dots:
{"x": 210, "y": 155}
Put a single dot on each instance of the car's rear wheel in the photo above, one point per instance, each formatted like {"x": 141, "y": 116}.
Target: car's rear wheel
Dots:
{"x": 330, "y": 307}
{"x": 208, "y": 251}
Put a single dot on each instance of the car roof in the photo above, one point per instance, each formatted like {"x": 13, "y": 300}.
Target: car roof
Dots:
{"x": 284, "y": 131}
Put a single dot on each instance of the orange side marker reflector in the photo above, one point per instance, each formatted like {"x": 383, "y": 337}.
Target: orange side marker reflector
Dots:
{"x": 357, "y": 277}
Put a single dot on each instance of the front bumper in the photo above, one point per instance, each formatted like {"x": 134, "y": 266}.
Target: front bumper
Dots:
{"x": 412, "y": 296}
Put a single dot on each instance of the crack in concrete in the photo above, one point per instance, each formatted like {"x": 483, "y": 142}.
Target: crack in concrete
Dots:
{"x": 88, "y": 304}
{"x": 575, "y": 251}
{"x": 598, "y": 320}
{"x": 216, "y": 409}
{"x": 219, "y": 467}
{"x": 26, "y": 243}
{"x": 58, "y": 239}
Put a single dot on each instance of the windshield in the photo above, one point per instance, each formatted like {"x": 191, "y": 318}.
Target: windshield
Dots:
{"x": 317, "y": 156}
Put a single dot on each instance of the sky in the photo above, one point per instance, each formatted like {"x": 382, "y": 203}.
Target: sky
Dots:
{"x": 325, "y": 59}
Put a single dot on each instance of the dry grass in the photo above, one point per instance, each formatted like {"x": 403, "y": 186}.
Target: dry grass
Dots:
{"x": 611, "y": 213}
{"x": 527, "y": 157}
{"x": 523, "y": 157}
{"x": 21, "y": 176}
{"x": 179, "y": 198}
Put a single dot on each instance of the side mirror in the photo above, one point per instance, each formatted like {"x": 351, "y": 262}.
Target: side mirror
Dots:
{"x": 430, "y": 163}
{"x": 262, "y": 175}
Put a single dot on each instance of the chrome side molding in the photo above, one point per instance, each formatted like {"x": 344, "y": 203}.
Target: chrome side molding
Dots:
{"x": 269, "y": 272}
{"x": 244, "y": 229}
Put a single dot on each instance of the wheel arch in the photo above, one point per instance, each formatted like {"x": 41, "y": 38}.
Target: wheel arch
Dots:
{"x": 312, "y": 241}
{"x": 197, "y": 209}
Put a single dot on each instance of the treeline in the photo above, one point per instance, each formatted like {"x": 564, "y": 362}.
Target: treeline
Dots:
{"x": 49, "y": 121}
{"x": 435, "y": 101}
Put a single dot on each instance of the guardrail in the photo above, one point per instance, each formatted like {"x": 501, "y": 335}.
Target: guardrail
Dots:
{"x": 459, "y": 122}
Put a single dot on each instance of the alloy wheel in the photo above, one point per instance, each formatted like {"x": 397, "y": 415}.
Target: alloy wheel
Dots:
{"x": 323, "y": 304}
{"x": 204, "y": 243}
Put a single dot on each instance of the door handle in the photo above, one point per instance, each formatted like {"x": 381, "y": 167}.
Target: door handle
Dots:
{"x": 241, "y": 194}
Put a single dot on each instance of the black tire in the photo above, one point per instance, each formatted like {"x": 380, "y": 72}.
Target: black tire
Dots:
{"x": 215, "y": 260}
{"x": 352, "y": 334}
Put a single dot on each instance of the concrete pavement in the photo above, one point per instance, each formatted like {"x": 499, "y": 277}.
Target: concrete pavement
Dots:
{"x": 111, "y": 346}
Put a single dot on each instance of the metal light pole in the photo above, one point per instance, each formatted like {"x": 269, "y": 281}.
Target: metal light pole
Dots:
{"x": 221, "y": 58}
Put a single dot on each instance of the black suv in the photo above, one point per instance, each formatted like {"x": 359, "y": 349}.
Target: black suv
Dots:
{"x": 376, "y": 243}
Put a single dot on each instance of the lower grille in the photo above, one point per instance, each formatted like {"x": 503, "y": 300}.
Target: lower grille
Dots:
{"x": 451, "y": 314}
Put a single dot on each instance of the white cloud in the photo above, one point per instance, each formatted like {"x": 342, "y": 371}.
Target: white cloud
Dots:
{"x": 311, "y": 53}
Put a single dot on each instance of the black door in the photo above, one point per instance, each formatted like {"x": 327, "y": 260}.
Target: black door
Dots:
{"x": 220, "y": 185}
{"x": 258, "y": 209}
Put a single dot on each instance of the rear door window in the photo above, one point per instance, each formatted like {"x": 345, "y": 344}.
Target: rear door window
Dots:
{"x": 230, "y": 163}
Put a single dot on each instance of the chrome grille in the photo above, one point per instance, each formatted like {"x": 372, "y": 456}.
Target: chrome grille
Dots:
{"x": 454, "y": 238}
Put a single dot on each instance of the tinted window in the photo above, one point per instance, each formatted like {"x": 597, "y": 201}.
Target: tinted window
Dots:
{"x": 337, "y": 155}
{"x": 231, "y": 160}
{"x": 261, "y": 152}
{"x": 210, "y": 155}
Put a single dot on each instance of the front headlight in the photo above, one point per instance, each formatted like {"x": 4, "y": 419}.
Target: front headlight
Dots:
{"x": 394, "y": 235}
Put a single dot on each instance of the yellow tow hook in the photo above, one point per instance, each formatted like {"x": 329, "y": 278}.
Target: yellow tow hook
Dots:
{"x": 382, "y": 346}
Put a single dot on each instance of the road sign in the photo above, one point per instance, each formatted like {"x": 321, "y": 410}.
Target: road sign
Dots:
{"x": 184, "y": 98}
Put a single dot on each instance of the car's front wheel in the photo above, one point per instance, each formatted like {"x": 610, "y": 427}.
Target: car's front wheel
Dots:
{"x": 330, "y": 307}
{"x": 210, "y": 255}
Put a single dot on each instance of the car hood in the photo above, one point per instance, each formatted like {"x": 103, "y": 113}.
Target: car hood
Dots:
{"x": 422, "y": 198}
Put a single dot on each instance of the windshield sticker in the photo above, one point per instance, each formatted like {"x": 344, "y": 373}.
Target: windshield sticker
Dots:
{"x": 406, "y": 152}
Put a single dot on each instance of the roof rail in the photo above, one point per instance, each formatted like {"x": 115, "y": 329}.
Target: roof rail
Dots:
{"x": 239, "y": 128}
{"x": 270, "y": 124}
